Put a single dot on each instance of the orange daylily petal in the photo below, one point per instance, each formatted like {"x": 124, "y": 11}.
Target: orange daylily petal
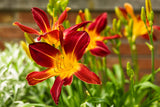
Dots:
{"x": 86, "y": 75}
{"x": 57, "y": 86}
{"x": 99, "y": 24}
{"x": 129, "y": 9}
{"x": 56, "y": 89}
{"x": 146, "y": 36}
{"x": 100, "y": 50}
{"x": 61, "y": 36}
{"x": 26, "y": 29}
{"x": 35, "y": 77}
{"x": 111, "y": 37}
{"x": 68, "y": 81}
{"x": 50, "y": 37}
{"x": 74, "y": 28}
{"x": 76, "y": 43}
{"x": 63, "y": 16}
{"x": 139, "y": 28}
{"x": 156, "y": 27}
{"x": 81, "y": 14}
{"x": 123, "y": 12}
{"x": 41, "y": 19}
{"x": 43, "y": 53}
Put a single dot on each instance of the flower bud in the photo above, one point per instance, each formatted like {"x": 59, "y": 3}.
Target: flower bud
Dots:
{"x": 143, "y": 15}
{"x": 78, "y": 19}
{"x": 148, "y": 6}
{"x": 119, "y": 25}
{"x": 114, "y": 24}
{"x": 130, "y": 71}
{"x": 87, "y": 14}
{"x": 152, "y": 16}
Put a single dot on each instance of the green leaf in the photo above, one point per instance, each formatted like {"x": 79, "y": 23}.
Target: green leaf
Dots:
{"x": 97, "y": 100}
{"x": 146, "y": 78}
{"x": 146, "y": 85}
{"x": 119, "y": 74}
{"x": 111, "y": 76}
{"x": 149, "y": 46}
{"x": 28, "y": 38}
{"x": 115, "y": 51}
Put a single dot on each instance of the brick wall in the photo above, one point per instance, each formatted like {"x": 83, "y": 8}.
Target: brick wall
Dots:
{"x": 22, "y": 13}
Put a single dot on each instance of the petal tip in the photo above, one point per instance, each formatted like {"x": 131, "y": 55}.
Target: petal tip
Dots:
{"x": 68, "y": 8}
{"x": 14, "y": 24}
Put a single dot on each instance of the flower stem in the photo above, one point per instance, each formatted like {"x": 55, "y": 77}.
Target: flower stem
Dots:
{"x": 119, "y": 58}
{"x": 152, "y": 52}
{"x": 134, "y": 58}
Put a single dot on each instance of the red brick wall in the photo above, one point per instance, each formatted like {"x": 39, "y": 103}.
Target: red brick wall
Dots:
{"x": 10, "y": 33}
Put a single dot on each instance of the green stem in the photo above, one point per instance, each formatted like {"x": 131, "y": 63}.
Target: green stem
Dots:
{"x": 152, "y": 51}
{"x": 104, "y": 63}
{"x": 132, "y": 92}
{"x": 120, "y": 62}
{"x": 152, "y": 54}
{"x": 119, "y": 58}
{"x": 104, "y": 68}
{"x": 134, "y": 58}
{"x": 150, "y": 33}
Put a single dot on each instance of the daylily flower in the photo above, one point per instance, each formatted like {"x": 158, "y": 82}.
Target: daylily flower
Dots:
{"x": 63, "y": 64}
{"x": 96, "y": 45}
{"x": 139, "y": 28}
{"x": 48, "y": 31}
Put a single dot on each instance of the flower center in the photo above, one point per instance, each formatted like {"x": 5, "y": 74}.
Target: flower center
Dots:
{"x": 66, "y": 65}
{"x": 93, "y": 38}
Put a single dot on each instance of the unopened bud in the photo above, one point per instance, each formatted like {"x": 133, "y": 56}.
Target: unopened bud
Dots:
{"x": 118, "y": 13}
{"x": 148, "y": 6}
{"x": 130, "y": 71}
{"x": 114, "y": 24}
{"x": 143, "y": 15}
{"x": 87, "y": 14}
{"x": 119, "y": 25}
{"x": 131, "y": 23}
{"x": 78, "y": 19}
{"x": 152, "y": 16}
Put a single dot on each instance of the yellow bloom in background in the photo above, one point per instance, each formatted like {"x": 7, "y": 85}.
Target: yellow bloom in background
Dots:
{"x": 138, "y": 27}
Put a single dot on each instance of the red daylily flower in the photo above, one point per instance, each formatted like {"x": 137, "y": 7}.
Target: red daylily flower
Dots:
{"x": 96, "y": 45}
{"x": 139, "y": 28}
{"x": 63, "y": 64}
{"x": 48, "y": 32}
